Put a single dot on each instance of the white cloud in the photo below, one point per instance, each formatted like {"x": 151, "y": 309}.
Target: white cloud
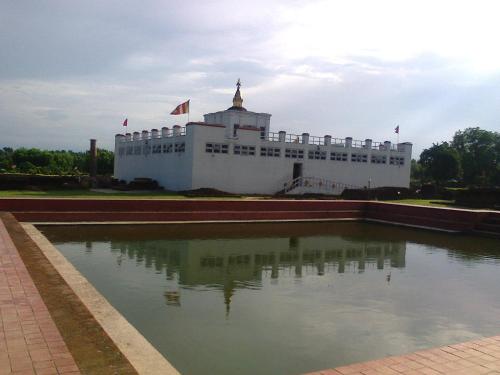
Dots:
{"x": 346, "y": 68}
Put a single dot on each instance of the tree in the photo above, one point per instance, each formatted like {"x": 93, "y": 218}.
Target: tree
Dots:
{"x": 479, "y": 152}
{"x": 33, "y": 156}
{"x": 6, "y": 159}
{"x": 58, "y": 162}
{"x": 105, "y": 162}
{"x": 417, "y": 173}
{"x": 441, "y": 162}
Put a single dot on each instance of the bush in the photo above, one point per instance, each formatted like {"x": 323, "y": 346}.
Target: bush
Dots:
{"x": 382, "y": 193}
{"x": 479, "y": 197}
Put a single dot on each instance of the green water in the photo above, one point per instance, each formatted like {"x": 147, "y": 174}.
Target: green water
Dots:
{"x": 289, "y": 298}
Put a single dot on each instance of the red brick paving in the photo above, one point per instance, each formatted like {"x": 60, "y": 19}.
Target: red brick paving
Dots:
{"x": 29, "y": 340}
{"x": 469, "y": 358}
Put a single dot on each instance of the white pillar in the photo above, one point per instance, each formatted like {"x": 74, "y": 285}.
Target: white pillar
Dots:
{"x": 305, "y": 138}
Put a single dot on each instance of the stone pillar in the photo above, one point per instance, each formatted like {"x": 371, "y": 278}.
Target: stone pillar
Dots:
{"x": 136, "y": 136}
{"x": 348, "y": 142}
{"x": 145, "y": 134}
{"x": 177, "y": 130}
{"x": 165, "y": 132}
{"x": 342, "y": 261}
{"x": 282, "y": 136}
{"x": 93, "y": 158}
{"x": 154, "y": 133}
{"x": 328, "y": 140}
{"x": 300, "y": 261}
{"x": 368, "y": 144}
{"x": 128, "y": 137}
{"x": 321, "y": 263}
{"x": 362, "y": 259}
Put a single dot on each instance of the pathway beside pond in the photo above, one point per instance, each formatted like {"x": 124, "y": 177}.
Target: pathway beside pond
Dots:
{"x": 469, "y": 358}
{"x": 30, "y": 342}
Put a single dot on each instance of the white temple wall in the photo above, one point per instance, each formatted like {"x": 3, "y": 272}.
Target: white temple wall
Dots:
{"x": 255, "y": 174}
{"x": 171, "y": 170}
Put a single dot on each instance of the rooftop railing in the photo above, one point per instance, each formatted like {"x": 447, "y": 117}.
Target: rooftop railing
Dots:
{"x": 330, "y": 141}
{"x": 304, "y": 139}
{"x": 176, "y": 131}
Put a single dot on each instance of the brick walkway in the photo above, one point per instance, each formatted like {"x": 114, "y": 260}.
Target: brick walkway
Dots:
{"x": 29, "y": 340}
{"x": 469, "y": 358}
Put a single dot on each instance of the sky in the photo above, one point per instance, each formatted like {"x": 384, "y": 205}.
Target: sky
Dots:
{"x": 74, "y": 70}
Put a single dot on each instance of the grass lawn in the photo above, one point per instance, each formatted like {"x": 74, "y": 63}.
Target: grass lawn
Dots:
{"x": 173, "y": 195}
{"x": 103, "y": 195}
{"x": 428, "y": 202}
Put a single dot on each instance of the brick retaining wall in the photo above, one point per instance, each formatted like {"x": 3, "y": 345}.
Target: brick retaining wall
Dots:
{"x": 151, "y": 210}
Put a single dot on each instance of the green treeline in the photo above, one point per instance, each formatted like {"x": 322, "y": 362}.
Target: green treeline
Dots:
{"x": 36, "y": 161}
{"x": 471, "y": 158}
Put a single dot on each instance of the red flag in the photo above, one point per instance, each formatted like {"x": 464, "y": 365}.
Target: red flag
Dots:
{"x": 181, "y": 108}
{"x": 396, "y": 130}
{"x": 125, "y": 123}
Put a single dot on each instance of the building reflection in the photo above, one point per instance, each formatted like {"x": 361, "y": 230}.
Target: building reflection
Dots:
{"x": 231, "y": 264}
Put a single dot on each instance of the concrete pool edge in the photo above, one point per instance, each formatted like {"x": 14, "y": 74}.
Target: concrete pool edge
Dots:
{"x": 140, "y": 353}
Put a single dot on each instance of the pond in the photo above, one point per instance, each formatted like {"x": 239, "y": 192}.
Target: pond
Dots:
{"x": 289, "y": 298}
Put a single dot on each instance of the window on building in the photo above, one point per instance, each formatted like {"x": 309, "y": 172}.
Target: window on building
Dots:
{"x": 235, "y": 130}
{"x": 262, "y": 132}
{"x": 270, "y": 151}
{"x": 379, "y": 159}
{"x": 244, "y": 150}
{"x": 137, "y": 150}
{"x": 156, "y": 149}
{"x": 359, "y": 158}
{"x": 216, "y": 148}
{"x": 180, "y": 147}
{"x": 167, "y": 148}
{"x": 316, "y": 154}
{"x": 294, "y": 153}
{"x": 338, "y": 156}
{"x": 396, "y": 160}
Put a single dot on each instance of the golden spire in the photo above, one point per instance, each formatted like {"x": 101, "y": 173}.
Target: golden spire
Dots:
{"x": 237, "y": 101}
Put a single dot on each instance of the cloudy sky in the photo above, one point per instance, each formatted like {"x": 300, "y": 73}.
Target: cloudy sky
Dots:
{"x": 73, "y": 70}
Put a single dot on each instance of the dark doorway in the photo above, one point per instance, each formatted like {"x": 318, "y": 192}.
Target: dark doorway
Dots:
{"x": 297, "y": 170}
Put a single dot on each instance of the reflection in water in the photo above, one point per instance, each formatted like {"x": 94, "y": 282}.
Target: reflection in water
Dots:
{"x": 242, "y": 298}
{"x": 231, "y": 264}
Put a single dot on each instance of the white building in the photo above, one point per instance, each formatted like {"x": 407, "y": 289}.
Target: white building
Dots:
{"x": 235, "y": 151}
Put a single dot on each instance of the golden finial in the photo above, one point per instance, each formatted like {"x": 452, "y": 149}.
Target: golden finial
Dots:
{"x": 237, "y": 100}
